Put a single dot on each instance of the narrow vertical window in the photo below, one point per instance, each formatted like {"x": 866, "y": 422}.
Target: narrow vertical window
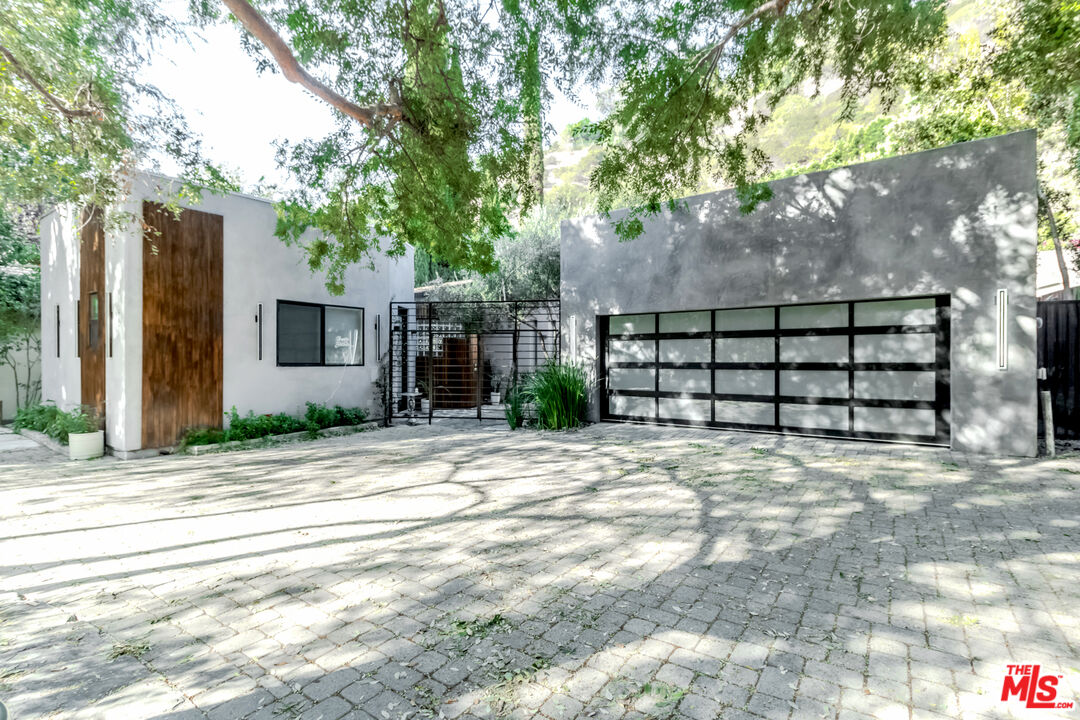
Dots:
{"x": 94, "y": 322}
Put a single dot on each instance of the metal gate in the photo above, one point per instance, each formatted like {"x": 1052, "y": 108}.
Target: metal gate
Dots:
{"x": 875, "y": 370}
{"x": 459, "y": 359}
{"x": 1059, "y": 353}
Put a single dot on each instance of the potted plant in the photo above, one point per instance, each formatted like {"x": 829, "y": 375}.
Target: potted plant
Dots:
{"x": 496, "y": 386}
{"x": 425, "y": 397}
{"x": 85, "y": 438}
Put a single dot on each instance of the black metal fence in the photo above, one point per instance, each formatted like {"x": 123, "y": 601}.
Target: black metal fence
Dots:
{"x": 1059, "y": 353}
{"x": 458, "y": 359}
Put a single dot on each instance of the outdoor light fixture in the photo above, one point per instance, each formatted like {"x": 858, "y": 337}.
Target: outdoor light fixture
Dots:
{"x": 1002, "y": 302}
{"x": 258, "y": 331}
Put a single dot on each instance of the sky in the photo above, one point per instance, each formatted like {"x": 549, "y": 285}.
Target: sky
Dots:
{"x": 239, "y": 113}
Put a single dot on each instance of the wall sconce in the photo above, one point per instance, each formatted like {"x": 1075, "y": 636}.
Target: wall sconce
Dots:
{"x": 1002, "y": 302}
{"x": 258, "y": 331}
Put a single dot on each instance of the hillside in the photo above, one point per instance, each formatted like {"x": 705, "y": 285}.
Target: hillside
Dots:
{"x": 804, "y": 128}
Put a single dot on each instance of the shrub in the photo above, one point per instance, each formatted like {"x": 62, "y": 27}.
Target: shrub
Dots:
{"x": 349, "y": 416}
{"x": 252, "y": 426}
{"x": 559, "y": 395}
{"x": 75, "y": 421}
{"x": 319, "y": 416}
{"x": 203, "y": 436}
{"x": 35, "y": 417}
{"x": 514, "y": 406}
{"x": 54, "y": 422}
{"x": 282, "y": 424}
{"x": 244, "y": 428}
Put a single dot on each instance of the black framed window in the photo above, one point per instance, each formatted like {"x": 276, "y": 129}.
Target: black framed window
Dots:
{"x": 314, "y": 334}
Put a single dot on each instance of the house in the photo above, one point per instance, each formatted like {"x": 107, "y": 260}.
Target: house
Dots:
{"x": 890, "y": 300}
{"x": 168, "y": 328}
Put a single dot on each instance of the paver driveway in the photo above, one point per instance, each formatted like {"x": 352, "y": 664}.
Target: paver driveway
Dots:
{"x": 615, "y": 571}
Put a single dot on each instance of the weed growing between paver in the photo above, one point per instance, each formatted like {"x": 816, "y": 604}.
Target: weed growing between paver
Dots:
{"x": 653, "y": 699}
{"x": 477, "y": 628}
{"x": 502, "y": 693}
{"x": 135, "y": 649}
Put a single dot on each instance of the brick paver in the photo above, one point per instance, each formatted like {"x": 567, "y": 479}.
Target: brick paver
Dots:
{"x": 463, "y": 572}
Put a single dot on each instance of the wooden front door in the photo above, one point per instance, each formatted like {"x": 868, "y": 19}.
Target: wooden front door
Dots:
{"x": 182, "y": 324}
{"x": 92, "y": 312}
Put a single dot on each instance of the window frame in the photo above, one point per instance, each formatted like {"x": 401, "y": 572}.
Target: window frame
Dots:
{"x": 93, "y": 322}
{"x": 322, "y": 334}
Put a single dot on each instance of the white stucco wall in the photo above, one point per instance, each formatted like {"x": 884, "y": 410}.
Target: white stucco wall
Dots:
{"x": 60, "y": 381}
{"x": 8, "y": 389}
{"x": 258, "y": 268}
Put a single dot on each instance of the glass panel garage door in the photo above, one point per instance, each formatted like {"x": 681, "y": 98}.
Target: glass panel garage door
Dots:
{"x": 875, "y": 369}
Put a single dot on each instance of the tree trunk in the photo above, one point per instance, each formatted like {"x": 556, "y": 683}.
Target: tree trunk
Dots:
{"x": 11, "y": 361}
{"x": 1062, "y": 267}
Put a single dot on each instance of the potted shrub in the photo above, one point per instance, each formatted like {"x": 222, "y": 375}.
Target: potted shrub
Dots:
{"x": 425, "y": 397}
{"x": 496, "y": 386}
{"x": 85, "y": 438}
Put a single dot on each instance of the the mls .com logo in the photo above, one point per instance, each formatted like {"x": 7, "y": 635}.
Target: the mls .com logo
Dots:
{"x": 1024, "y": 682}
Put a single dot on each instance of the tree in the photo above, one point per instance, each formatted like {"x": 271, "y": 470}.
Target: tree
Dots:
{"x": 952, "y": 95}
{"x": 962, "y": 92}
{"x": 20, "y": 309}
{"x": 1039, "y": 42}
{"x": 698, "y": 80}
{"x": 528, "y": 262}
{"x": 441, "y": 103}
{"x": 74, "y": 116}
{"x": 439, "y": 123}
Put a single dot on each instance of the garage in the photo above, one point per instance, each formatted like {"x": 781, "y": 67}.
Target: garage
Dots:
{"x": 872, "y": 369}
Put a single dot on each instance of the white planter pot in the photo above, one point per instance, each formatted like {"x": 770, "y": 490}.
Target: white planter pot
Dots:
{"x": 84, "y": 446}
{"x": 495, "y": 398}
{"x": 424, "y": 406}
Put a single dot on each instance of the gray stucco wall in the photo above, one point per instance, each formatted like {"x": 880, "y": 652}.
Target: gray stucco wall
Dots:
{"x": 958, "y": 220}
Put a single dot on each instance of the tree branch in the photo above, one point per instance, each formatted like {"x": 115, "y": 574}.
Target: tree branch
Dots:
{"x": 257, "y": 25}
{"x": 713, "y": 53}
{"x": 69, "y": 113}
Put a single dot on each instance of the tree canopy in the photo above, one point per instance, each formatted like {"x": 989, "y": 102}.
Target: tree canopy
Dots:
{"x": 440, "y": 104}
{"x": 75, "y": 114}
{"x": 699, "y": 80}
{"x": 1021, "y": 73}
